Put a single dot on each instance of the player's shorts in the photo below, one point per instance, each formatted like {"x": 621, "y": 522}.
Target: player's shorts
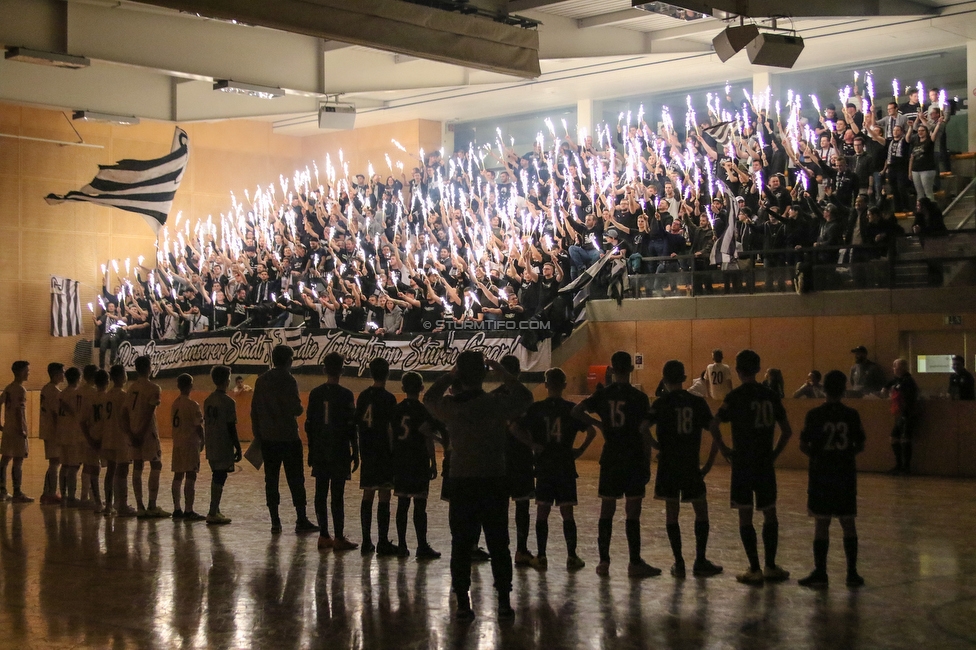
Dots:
{"x": 13, "y": 445}
{"x": 521, "y": 485}
{"x": 414, "y": 487}
{"x": 148, "y": 451}
{"x": 52, "y": 450}
{"x": 556, "y": 490}
{"x": 903, "y": 430}
{"x": 92, "y": 456}
{"x": 186, "y": 458}
{"x": 832, "y": 497}
{"x": 331, "y": 471}
{"x": 375, "y": 474}
{"x": 753, "y": 487}
{"x": 617, "y": 482}
{"x": 221, "y": 467}
{"x": 72, "y": 455}
{"x": 679, "y": 484}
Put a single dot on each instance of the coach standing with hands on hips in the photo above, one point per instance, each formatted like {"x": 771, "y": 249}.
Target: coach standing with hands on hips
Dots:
{"x": 478, "y": 426}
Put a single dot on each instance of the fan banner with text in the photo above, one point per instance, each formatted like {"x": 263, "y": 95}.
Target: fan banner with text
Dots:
{"x": 249, "y": 351}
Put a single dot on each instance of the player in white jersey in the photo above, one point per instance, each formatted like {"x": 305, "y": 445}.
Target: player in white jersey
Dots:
{"x": 69, "y": 437}
{"x": 139, "y": 414}
{"x": 50, "y": 397}
{"x": 117, "y": 449}
{"x": 94, "y": 424}
{"x": 89, "y": 454}
{"x": 13, "y": 441}
{"x": 718, "y": 377}
{"x": 223, "y": 446}
{"x": 187, "y": 423}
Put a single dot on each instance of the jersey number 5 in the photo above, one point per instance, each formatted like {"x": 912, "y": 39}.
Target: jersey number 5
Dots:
{"x": 404, "y": 427}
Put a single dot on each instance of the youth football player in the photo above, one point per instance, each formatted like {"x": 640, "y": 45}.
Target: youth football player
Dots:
{"x": 117, "y": 447}
{"x": 13, "y": 434}
{"x": 520, "y": 473}
{"x": 94, "y": 423}
{"x": 330, "y": 425}
{"x": 48, "y": 432}
{"x": 69, "y": 437}
{"x": 625, "y": 464}
{"x": 374, "y": 411}
{"x": 187, "y": 423}
{"x": 718, "y": 377}
{"x": 553, "y": 428}
{"x": 220, "y": 437}
{"x": 140, "y": 415}
{"x": 680, "y": 418}
{"x": 832, "y": 437}
{"x": 415, "y": 464}
{"x": 754, "y": 411}
{"x": 91, "y": 465}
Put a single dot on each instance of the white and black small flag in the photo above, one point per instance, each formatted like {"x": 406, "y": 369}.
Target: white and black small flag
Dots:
{"x": 146, "y": 187}
{"x": 65, "y": 307}
{"x": 721, "y": 132}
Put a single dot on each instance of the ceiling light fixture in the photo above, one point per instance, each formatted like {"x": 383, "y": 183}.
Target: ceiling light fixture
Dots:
{"x": 109, "y": 118}
{"x": 55, "y": 59}
{"x": 249, "y": 90}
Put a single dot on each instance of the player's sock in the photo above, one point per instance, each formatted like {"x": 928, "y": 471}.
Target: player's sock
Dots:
{"x": 604, "y": 530}
{"x": 770, "y": 536}
{"x": 177, "y": 484}
{"x": 402, "y": 515}
{"x": 190, "y": 493}
{"x": 820, "y": 547}
{"x": 153, "y": 485}
{"x": 906, "y": 456}
{"x": 751, "y": 545}
{"x": 383, "y": 521}
{"x": 420, "y": 521}
{"x": 569, "y": 532}
{"x": 339, "y": 508}
{"x": 541, "y": 535}
{"x": 896, "y": 447}
{"x": 95, "y": 492}
{"x": 366, "y": 520}
{"x": 850, "y": 550}
{"x": 674, "y": 536}
{"x": 522, "y": 526}
{"x": 63, "y": 480}
{"x": 216, "y": 492}
{"x": 109, "y": 486}
{"x": 85, "y": 486}
{"x": 632, "y": 527}
{"x": 701, "y": 539}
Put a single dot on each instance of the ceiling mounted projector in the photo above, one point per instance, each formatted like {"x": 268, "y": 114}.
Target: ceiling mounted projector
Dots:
{"x": 341, "y": 117}
{"x": 732, "y": 39}
{"x": 777, "y": 50}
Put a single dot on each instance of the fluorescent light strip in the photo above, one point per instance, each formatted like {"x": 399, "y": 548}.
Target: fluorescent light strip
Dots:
{"x": 92, "y": 116}
{"x": 249, "y": 90}
{"x": 39, "y": 57}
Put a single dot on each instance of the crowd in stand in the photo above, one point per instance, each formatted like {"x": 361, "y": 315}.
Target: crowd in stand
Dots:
{"x": 489, "y": 234}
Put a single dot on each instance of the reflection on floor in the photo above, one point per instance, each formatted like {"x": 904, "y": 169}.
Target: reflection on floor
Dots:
{"x": 69, "y": 578}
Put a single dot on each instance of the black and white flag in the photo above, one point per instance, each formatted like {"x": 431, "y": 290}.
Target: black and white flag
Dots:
{"x": 146, "y": 187}
{"x": 65, "y": 307}
{"x": 721, "y": 132}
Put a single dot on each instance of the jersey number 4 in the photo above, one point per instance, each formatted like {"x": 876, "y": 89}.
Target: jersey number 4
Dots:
{"x": 837, "y": 438}
{"x": 764, "y": 415}
{"x": 368, "y": 416}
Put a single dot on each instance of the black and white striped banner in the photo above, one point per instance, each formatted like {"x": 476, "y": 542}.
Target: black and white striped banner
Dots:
{"x": 65, "y": 307}
{"x": 146, "y": 187}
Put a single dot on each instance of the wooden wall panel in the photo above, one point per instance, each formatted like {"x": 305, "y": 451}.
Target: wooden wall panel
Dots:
{"x": 660, "y": 341}
{"x": 784, "y": 343}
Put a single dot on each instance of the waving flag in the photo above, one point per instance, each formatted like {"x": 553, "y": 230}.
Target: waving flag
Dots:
{"x": 721, "y": 132}
{"x": 146, "y": 187}
{"x": 723, "y": 252}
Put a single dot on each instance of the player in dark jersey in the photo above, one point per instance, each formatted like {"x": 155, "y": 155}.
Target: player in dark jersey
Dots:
{"x": 625, "y": 464}
{"x": 520, "y": 473}
{"x": 903, "y": 392}
{"x": 680, "y": 418}
{"x": 330, "y": 426}
{"x": 374, "y": 412}
{"x": 552, "y": 427}
{"x": 833, "y": 437}
{"x": 412, "y": 431}
{"x": 754, "y": 412}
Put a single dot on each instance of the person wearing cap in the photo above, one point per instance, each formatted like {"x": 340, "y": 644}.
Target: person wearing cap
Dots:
{"x": 867, "y": 378}
{"x": 961, "y": 384}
